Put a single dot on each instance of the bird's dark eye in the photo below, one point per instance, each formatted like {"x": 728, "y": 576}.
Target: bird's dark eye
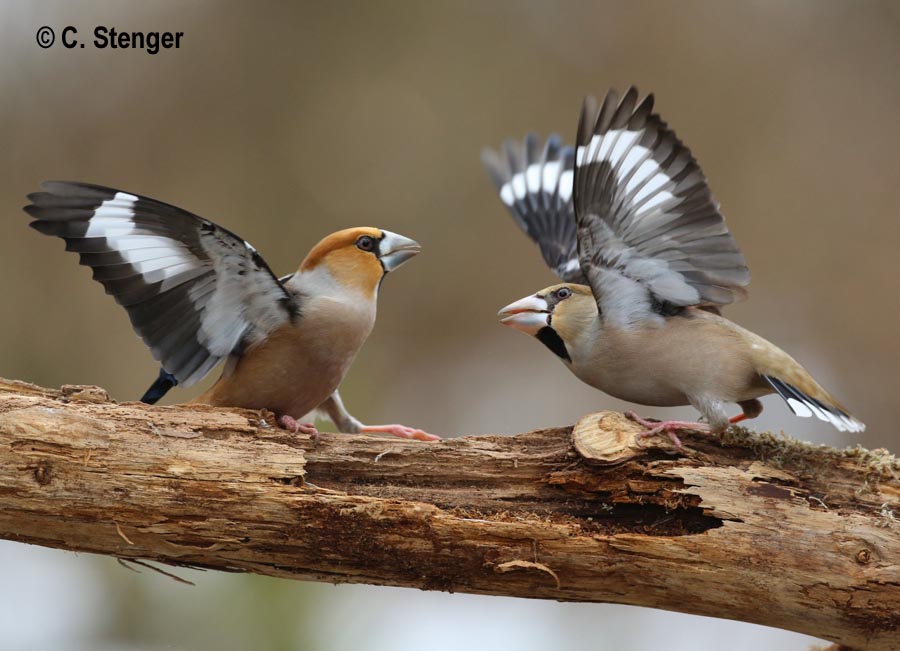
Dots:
{"x": 563, "y": 292}
{"x": 365, "y": 243}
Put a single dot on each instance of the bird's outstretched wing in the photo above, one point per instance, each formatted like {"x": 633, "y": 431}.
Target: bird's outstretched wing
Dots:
{"x": 195, "y": 292}
{"x": 535, "y": 183}
{"x": 650, "y": 234}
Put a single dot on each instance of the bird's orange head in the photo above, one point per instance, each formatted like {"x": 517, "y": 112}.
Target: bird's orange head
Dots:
{"x": 359, "y": 257}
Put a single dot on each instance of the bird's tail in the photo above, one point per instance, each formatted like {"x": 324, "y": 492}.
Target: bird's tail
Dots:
{"x": 158, "y": 389}
{"x": 815, "y": 402}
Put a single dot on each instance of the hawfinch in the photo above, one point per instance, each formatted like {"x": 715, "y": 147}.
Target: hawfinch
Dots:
{"x": 198, "y": 294}
{"x": 627, "y": 221}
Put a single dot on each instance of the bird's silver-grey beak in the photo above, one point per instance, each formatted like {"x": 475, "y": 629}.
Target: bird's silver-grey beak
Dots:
{"x": 528, "y": 314}
{"x": 396, "y": 249}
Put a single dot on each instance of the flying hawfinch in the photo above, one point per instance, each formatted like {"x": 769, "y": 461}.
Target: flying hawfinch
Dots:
{"x": 627, "y": 221}
{"x": 197, "y": 293}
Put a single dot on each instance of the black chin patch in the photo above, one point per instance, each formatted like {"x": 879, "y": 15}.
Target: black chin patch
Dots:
{"x": 554, "y": 342}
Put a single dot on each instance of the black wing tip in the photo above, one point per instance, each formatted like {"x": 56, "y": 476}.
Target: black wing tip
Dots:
{"x": 42, "y": 226}
{"x": 493, "y": 164}
{"x": 631, "y": 94}
{"x": 39, "y": 200}
{"x": 503, "y": 163}
{"x": 55, "y": 196}
{"x": 519, "y": 144}
{"x": 615, "y": 111}
{"x": 77, "y": 189}
{"x": 488, "y": 155}
{"x": 586, "y": 121}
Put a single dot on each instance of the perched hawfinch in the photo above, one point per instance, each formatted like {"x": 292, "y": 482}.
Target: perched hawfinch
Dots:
{"x": 197, "y": 294}
{"x": 626, "y": 219}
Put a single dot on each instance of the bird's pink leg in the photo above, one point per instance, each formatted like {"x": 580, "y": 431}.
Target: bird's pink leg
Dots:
{"x": 738, "y": 418}
{"x": 668, "y": 427}
{"x": 401, "y": 431}
{"x": 295, "y": 426}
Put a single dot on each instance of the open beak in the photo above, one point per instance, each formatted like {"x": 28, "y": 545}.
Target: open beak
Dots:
{"x": 529, "y": 314}
{"x": 396, "y": 249}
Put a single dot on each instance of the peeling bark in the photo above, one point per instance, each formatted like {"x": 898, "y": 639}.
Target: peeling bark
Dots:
{"x": 743, "y": 526}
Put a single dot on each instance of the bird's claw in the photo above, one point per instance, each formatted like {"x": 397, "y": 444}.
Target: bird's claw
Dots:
{"x": 401, "y": 431}
{"x": 668, "y": 427}
{"x": 293, "y": 425}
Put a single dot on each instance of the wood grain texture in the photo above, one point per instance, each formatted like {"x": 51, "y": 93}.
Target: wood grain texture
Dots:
{"x": 743, "y": 526}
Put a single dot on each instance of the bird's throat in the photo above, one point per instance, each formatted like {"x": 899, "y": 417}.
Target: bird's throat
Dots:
{"x": 554, "y": 342}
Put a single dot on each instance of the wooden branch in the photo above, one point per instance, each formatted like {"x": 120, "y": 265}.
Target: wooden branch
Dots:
{"x": 744, "y": 526}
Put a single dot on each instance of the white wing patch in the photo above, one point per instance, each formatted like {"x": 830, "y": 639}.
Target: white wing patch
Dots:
{"x": 534, "y": 179}
{"x": 550, "y": 175}
{"x": 518, "y": 186}
{"x": 566, "y": 183}
{"x": 634, "y": 170}
{"x": 155, "y": 258}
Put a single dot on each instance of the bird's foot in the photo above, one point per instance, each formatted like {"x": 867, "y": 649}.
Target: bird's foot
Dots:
{"x": 401, "y": 431}
{"x": 668, "y": 427}
{"x": 292, "y": 424}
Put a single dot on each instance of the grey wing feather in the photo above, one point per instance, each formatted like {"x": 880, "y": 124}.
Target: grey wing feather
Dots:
{"x": 645, "y": 214}
{"x": 194, "y": 291}
{"x": 534, "y": 181}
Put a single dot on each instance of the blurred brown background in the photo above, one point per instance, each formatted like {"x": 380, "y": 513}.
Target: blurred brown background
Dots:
{"x": 285, "y": 122}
